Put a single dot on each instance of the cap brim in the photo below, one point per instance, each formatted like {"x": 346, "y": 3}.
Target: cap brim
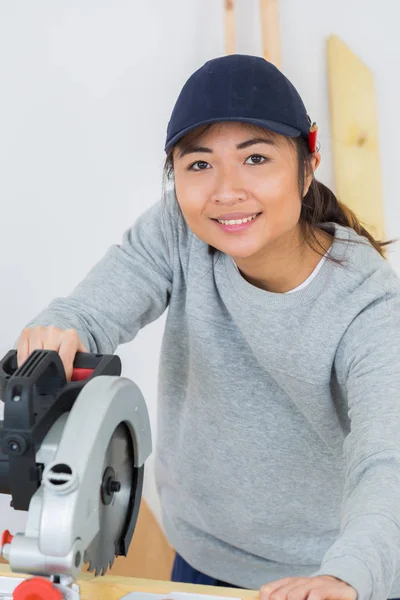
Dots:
{"x": 280, "y": 128}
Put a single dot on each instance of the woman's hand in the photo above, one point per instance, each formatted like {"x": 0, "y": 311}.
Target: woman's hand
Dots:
{"x": 323, "y": 587}
{"x": 67, "y": 343}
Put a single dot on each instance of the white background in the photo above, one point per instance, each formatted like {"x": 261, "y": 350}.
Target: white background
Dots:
{"x": 87, "y": 88}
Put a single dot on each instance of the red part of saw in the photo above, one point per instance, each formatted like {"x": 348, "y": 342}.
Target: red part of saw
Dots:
{"x": 81, "y": 374}
{"x": 6, "y": 538}
{"x": 37, "y": 588}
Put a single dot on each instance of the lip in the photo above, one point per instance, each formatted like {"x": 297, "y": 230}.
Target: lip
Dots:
{"x": 238, "y": 228}
{"x": 236, "y": 215}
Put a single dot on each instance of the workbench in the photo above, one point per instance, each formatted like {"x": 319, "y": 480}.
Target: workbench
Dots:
{"x": 112, "y": 587}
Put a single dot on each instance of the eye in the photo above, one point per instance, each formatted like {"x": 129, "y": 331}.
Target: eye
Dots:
{"x": 200, "y": 163}
{"x": 259, "y": 160}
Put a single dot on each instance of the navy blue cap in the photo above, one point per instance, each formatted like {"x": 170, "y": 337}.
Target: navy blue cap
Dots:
{"x": 238, "y": 87}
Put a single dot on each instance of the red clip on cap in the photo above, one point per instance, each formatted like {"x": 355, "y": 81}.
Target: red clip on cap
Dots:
{"x": 37, "y": 588}
{"x": 312, "y": 138}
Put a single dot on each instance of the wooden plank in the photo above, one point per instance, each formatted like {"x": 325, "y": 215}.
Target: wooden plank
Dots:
{"x": 354, "y": 128}
{"x": 230, "y": 41}
{"x": 113, "y": 588}
{"x": 147, "y": 568}
{"x": 270, "y": 31}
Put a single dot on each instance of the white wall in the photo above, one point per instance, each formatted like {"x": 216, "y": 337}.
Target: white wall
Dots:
{"x": 87, "y": 91}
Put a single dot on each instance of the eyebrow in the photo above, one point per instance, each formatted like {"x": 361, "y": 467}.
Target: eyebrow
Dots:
{"x": 241, "y": 146}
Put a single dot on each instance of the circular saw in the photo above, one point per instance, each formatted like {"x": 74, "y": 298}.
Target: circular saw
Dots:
{"x": 72, "y": 454}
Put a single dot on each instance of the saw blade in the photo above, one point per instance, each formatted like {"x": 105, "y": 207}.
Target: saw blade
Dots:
{"x": 114, "y": 500}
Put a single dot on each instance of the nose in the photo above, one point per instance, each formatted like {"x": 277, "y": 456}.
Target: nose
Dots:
{"x": 228, "y": 189}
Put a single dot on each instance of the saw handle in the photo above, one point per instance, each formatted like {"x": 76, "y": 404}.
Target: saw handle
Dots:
{"x": 45, "y": 366}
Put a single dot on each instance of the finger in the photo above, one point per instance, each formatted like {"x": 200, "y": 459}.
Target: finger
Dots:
{"x": 68, "y": 348}
{"x": 35, "y": 339}
{"x": 52, "y": 338}
{"x": 269, "y": 588}
{"x": 336, "y": 588}
{"x": 323, "y": 593}
{"x": 82, "y": 347}
{"x": 22, "y": 348}
{"x": 331, "y": 592}
{"x": 299, "y": 589}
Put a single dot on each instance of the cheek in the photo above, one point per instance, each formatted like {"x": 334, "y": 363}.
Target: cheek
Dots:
{"x": 190, "y": 199}
{"x": 280, "y": 194}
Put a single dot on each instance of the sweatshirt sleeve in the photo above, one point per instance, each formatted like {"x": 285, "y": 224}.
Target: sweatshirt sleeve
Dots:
{"x": 127, "y": 289}
{"x": 367, "y": 553}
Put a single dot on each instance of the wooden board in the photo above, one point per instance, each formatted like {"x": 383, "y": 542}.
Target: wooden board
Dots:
{"x": 147, "y": 568}
{"x": 270, "y": 31}
{"x": 113, "y": 588}
{"x": 229, "y": 26}
{"x": 354, "y": 128}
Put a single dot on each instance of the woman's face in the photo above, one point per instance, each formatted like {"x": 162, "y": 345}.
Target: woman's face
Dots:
{"x": 232, "y": 173}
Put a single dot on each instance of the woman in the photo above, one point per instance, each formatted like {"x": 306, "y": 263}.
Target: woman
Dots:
{"x": 278, "y": 451}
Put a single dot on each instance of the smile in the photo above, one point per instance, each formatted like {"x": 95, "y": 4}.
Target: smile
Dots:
{"x": 235, "y": 225}
{"x": 237, "y": 221}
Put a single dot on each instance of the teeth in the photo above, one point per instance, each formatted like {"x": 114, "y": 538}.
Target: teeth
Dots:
{"x": 237, "y": 221}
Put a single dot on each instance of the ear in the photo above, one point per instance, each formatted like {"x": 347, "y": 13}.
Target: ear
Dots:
{"x": 316, "y": 160}
{"x": 309, "y": 176}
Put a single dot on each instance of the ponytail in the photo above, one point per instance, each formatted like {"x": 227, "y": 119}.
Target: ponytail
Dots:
{"x": 320, "y": 205}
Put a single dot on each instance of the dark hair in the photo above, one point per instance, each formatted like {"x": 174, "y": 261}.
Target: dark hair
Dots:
{"x": 319, "y": 205}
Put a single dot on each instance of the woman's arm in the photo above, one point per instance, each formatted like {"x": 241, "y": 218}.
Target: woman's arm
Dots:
{"x": 127, "y": 289}
{"x": 367, "y": 553}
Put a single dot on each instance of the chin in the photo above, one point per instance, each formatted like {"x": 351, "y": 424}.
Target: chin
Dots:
{"x": 242, "y": 251}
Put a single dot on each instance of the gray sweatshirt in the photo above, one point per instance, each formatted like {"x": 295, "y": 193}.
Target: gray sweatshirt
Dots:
{"x": 278, "y": 450}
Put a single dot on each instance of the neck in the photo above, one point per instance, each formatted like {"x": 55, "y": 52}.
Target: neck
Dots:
{"x": 286, "y": 263}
